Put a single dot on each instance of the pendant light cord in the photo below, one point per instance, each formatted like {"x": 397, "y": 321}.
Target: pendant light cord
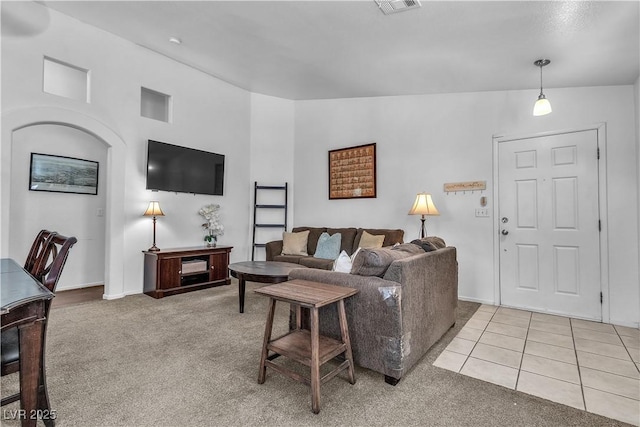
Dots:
{"x": 541, "y": 80}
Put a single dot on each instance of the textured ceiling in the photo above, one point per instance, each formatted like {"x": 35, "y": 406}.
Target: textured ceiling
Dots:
{"x": 340, "y": 49}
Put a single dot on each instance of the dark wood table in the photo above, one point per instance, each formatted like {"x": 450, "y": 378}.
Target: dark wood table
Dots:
{"x": 261, "y": 272}
{"x": 307, "y": 346}
{"x": 22, "y": 305}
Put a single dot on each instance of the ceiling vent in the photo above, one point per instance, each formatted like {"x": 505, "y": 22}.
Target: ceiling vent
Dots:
{"x": 395, "y": 6}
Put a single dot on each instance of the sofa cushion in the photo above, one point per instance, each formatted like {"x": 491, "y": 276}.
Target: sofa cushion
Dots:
{"x": 430, "y": 243}
{"x": 375, "y": 262}
{"x": 426, "y": 246}
{"x": 319, "y": 263}
{"x": 295, "y": 243}
{"x": 295, "y": 259}
{"x": 348, "y": 236}
{"x": 436, "y": 241}
{"x": 328, "y": 246}
{"x": 314, "y": 235}
{"x": 370, "y": 241}
{"x": 391, "y": 236}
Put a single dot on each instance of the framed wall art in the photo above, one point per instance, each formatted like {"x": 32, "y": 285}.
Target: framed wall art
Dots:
{"x": 63, "y": 174}
{"x": 352, "y": 172}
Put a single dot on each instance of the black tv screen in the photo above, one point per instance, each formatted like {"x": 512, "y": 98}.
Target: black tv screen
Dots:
{"x": 184, "y": 170}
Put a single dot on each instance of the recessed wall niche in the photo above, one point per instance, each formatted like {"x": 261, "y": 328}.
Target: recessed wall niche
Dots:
{"x": 62, "y": 79}
{"x": 155, "y": 105}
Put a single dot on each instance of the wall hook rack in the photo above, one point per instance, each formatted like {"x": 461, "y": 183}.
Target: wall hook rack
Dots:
{"x": 472, "y": 186}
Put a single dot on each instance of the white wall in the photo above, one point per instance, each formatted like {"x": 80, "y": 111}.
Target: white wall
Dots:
{"x": 271, "y": 163}
{"x": 208, "y": 114}
{"x": 423, "y": 142}
{"x": 426, "y": 141}
{"x": 66, "y": 213}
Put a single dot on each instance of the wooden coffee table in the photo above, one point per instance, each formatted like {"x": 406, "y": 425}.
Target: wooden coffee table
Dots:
{"x": 307, "y": 346}
{"x": 261, "y": 272}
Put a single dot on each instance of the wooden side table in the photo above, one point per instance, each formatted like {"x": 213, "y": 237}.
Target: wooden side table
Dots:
{"x": 307, "y": 346}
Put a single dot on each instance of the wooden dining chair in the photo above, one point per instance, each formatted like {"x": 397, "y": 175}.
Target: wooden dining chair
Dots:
{"x": 39, "y": 249}
{"x": 52, "y": 250}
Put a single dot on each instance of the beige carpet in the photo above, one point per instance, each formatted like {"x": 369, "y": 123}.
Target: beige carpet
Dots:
{"x": 192, "y": 360}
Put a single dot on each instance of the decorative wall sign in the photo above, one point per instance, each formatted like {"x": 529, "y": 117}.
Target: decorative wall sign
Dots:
{"x": 352, "y": 172}
{"x": 465, "y": 186}
{"x": 63, "y": 174}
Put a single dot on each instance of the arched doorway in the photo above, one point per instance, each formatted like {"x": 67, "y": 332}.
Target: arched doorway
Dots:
{"x": 116, "y": 155}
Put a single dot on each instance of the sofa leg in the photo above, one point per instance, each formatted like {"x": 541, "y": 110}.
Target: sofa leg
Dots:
{"x": 452, "y": 326}
{"x": 391, "y": 380}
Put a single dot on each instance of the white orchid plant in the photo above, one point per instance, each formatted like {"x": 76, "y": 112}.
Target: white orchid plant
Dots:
{"x": 211, "y": 213}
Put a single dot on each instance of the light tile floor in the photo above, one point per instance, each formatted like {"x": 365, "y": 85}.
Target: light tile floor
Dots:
{"x": 587, "y": 365}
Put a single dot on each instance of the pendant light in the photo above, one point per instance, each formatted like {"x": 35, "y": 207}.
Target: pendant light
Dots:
{"x": 542, "y": 105}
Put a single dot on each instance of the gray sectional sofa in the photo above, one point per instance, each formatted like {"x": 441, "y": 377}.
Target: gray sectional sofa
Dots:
{"x": 407, "y": 300}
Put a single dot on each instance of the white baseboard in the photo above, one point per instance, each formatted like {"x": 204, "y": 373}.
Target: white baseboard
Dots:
{"x": 79, "y": 286}
{"x": 613, "y": 321}
{"x": 481, "y": 301}
{"x": 624, "y": 323}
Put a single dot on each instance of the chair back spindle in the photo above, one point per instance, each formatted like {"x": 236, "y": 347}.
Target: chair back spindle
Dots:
{"x": 39, "y": 249}
{"x": 58, "y": 252}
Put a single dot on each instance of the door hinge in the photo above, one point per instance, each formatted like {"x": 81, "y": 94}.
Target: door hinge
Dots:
{"x": 600, "y": 297}
{"x": 598, "y": 152}
{"x": 599, "y": 225}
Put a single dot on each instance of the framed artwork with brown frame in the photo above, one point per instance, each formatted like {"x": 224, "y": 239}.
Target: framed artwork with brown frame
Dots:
{"x": 352, "y": 172}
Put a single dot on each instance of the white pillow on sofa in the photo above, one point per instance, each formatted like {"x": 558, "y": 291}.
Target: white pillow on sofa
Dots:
{"x": 344, "y": 262}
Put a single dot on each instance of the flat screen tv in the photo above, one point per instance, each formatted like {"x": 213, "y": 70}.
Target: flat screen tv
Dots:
{"x": 184, "y": 170}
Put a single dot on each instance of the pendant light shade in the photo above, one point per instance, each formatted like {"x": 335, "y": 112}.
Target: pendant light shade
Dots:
{"x": 542, "y": 105}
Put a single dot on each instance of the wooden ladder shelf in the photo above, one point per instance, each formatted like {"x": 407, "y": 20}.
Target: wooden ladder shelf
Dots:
{"x": 257, "y": 207}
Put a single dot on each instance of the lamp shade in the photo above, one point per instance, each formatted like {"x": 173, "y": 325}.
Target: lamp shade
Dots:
{"x": 424, "y": 205}
{"x": 153, "y": 209}
{"x": 542, "y": 106}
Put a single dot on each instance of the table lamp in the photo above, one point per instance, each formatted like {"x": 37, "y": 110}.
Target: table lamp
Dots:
{"x": 423, "y": 206}
{"x": 154, "y": 211}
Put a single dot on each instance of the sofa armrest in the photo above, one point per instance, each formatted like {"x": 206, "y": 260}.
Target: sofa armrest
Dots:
{"x": 373, "y": 315}
{"x": 273, "y": 249}
{"x": 429, "y": 298}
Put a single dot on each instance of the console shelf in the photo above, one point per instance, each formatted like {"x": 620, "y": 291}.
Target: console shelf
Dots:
{"x": 204, "y": 268}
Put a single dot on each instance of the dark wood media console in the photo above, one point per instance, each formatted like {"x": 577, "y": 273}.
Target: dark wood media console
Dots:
{"x": 174, "y": 271}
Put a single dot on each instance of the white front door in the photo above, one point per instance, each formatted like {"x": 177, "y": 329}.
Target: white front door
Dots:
{"x": 549, "y": 224}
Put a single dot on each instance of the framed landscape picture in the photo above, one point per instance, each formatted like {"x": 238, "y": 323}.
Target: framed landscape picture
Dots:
{"x": 352, "y": 172}
{"x": 63, "y": 174}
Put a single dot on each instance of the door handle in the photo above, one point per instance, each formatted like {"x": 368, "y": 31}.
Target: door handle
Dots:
{"x": 505, "y": 232}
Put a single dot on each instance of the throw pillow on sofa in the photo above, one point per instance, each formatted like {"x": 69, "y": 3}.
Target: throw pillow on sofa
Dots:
{"x": 437, "y": 242}
{"x": 426, "y": 246}
{"x": 430, "y": 243}
{"x": 295, "y": 243}
{"x": 375, "y": 262}
{"x": 328, "y": 246}
{"x": 370, "y": 241}
{"x": 344, "y": 262}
